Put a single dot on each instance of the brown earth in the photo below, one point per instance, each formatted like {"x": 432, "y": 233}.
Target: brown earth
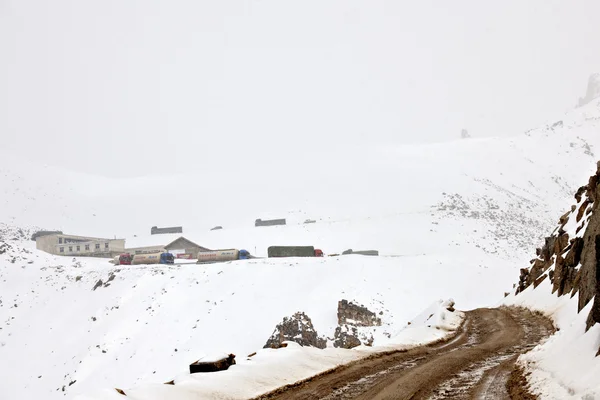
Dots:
{"x": 479, "y": 362}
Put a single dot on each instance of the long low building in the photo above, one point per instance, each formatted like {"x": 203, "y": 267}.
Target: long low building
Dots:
{"x": 84, "y": 246}
{"x": 180, "y": 246}
{"x": 72, "y": 245}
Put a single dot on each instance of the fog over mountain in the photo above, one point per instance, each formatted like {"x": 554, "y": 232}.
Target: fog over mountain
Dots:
{"x": 133, "y": 88}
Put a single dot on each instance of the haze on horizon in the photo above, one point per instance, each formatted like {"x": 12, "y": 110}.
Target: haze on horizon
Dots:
{"x": 134, "y": 88}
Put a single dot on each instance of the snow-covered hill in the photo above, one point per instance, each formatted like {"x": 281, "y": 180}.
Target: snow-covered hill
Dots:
{"x": 450, "y": 220}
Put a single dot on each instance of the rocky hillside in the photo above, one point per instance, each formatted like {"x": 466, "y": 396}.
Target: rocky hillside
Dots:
{"x": 570, "y": 257}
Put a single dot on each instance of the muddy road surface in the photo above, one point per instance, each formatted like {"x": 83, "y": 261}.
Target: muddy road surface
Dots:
{"x": 476, "y": 364}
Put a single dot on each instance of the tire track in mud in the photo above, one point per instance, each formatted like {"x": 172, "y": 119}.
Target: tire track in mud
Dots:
{"x": 475, "y": 364}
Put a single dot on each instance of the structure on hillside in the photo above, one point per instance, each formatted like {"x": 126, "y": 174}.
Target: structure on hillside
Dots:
{"x": 180, "y": 247}
{"x": 269, "y": 222}
{"x": 361, "y": 252}
{"x": 291, "y": 251}
{"x": 81, "y": 246}
{"x": 172, "y": 229}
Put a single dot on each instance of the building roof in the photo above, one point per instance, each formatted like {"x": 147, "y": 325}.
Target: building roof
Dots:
{"x": 182, "y": 239}
{"x": 148, "y": 240}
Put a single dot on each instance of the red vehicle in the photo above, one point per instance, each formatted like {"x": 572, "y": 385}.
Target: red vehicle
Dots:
{"x": 318, "y": 253}
{"x": 125, "y": 259}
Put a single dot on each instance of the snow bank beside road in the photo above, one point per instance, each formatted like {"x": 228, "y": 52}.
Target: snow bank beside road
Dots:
{"x": 565, "y": 366}
{"x": 270, "y": 369}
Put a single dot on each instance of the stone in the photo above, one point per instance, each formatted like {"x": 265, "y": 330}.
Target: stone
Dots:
{"x": 221, "y": 364}
{"x": 98, "y": 284}
{"x": 582, "y": 209}
{"x": 299, "y": 329}
{"x": 357, "y": 315}
{"x": 580, "y": 193}
{"x": 587, "y": 281}
{"x": 536, "y": 270}
{"x": 346, "y": 337}
{"x": 594, "y": 315}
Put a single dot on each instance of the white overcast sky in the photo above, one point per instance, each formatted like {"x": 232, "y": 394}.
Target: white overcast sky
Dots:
{"x": 134, "y": 87}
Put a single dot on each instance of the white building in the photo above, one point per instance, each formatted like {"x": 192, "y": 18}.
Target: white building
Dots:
{"x": 71, "y": 245}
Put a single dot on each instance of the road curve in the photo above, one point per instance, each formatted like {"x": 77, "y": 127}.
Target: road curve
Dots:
{"x": 475, "y": 364}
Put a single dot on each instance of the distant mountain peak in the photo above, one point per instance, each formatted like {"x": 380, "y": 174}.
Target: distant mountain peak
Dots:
{"x": 593, "y": 90}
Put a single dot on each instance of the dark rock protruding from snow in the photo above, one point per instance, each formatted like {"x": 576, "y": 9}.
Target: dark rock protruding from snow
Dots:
{"x": 351, "y": 318}
{"x": 593, "y": 90}
{"x": 347, "y": 337}
{"x": 297, "y": 328}
{"x": 595, "y": 312}
{"x": 357, "y": 315}
{"x": 215, "y": 365}
{"x": 571, "y": 256}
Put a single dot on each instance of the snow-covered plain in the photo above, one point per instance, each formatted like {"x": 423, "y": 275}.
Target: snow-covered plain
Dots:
{"x": 454, "y": 220}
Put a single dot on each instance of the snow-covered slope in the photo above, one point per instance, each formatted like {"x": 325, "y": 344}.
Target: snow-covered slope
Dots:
{"x": 450, "y": 220}
{"x": 563, "y": 283}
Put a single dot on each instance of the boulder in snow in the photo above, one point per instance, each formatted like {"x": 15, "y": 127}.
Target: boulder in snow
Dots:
{"x": 213, "y": 364}
{"x": 299, "y": 329}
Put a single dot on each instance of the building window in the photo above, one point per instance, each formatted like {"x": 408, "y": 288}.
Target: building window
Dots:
{"x": 59, "y": 240}
{"x": 62, "y": 249}
{"x": 70, "y": 248}
{"x": 78, "y": 249}
{"x": 97, "y": 246}
{"x": 87, "y": 246}
{"x": 106, "y": 245}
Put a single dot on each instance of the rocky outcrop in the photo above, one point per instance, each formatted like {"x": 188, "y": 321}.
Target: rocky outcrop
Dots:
{"x": 595, "y": 312}
{"x": 218, "y": 364}
{"x": 352, "y": 319}
{"x": 297, "y": 328}
{"x": 357, "y": 315}
{"x": 593, "y": 90}
{"x": 571, "y": 256}
{"x": 348, "y": 337}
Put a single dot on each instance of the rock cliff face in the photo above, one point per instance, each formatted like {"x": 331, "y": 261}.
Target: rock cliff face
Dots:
{"x": 570, "y": 257}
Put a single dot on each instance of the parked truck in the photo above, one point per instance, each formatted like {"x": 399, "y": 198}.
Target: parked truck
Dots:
{"x": 153, "y": 258}
{"x": 125, "y": 259}
{"x": 294, "y": 251}
{"x": 214, "y": 256}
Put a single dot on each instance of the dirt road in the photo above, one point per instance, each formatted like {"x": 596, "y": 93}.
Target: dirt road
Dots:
{"x": 475, "y": 364}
